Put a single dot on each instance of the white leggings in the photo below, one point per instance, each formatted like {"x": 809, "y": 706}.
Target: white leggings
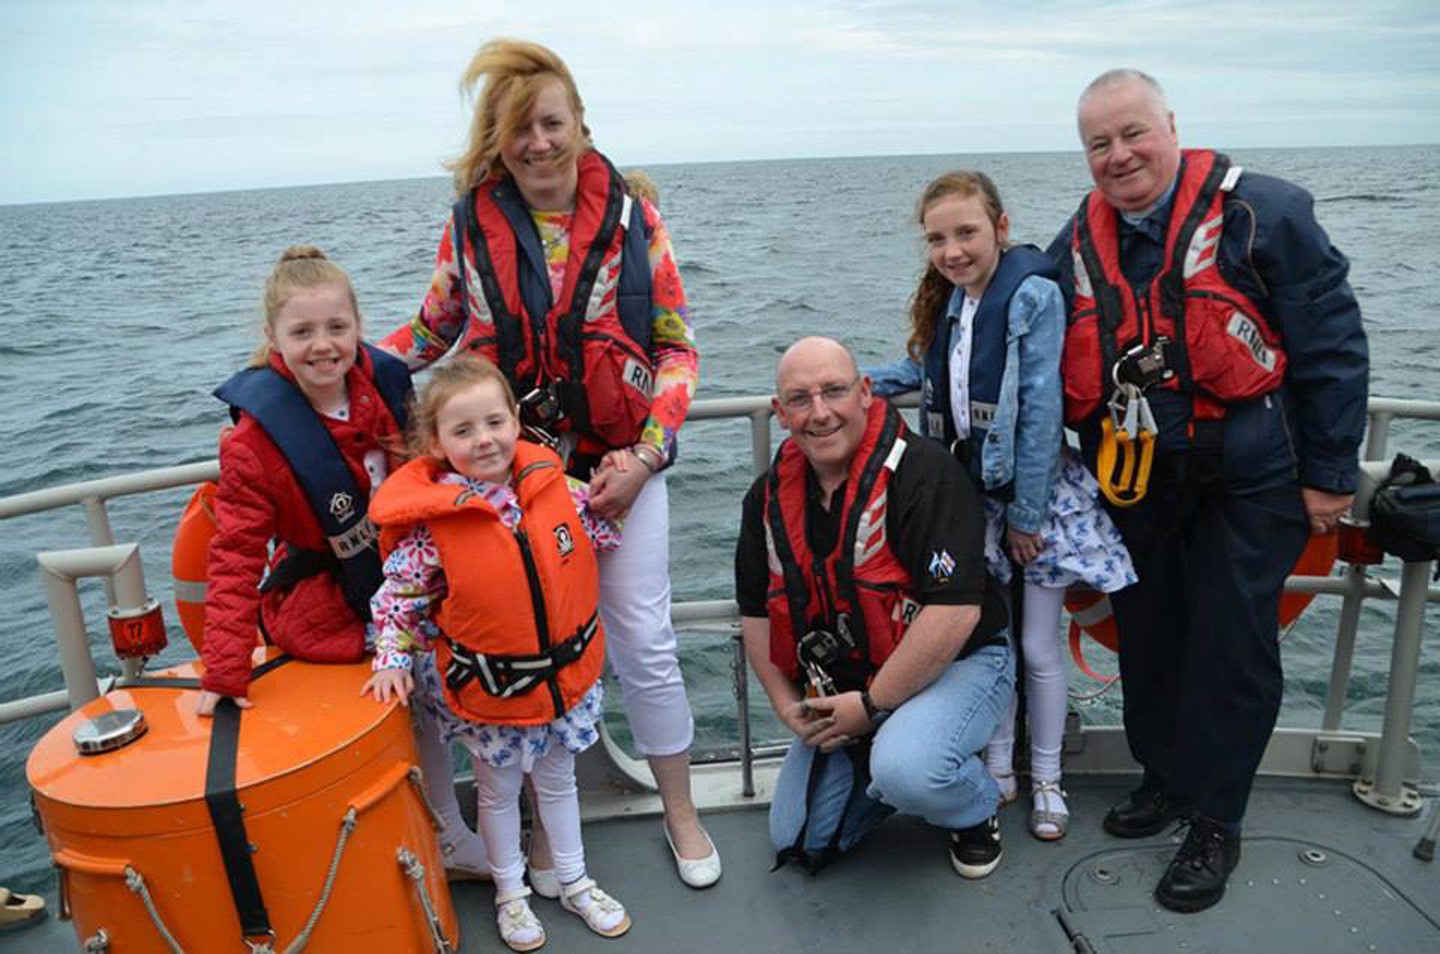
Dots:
{"x": 1045, "y": 700}
{"x": 639, "y": 640}
{"x": 497, "y": 792}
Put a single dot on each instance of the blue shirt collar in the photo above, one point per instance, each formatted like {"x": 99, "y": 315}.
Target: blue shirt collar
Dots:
{"x": 1157, "y": 214}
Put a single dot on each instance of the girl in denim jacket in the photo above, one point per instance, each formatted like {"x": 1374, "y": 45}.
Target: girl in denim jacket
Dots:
{"x": 986, "y": 327}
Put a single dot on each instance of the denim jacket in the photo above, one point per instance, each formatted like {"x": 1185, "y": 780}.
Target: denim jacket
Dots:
{"x": 1023, "y": 447}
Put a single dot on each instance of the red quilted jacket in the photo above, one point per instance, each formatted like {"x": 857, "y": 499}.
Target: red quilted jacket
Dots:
{"x": 260, "y": 499}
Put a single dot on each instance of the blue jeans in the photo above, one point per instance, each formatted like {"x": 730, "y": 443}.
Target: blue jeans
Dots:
{"x": 924, "y": 760}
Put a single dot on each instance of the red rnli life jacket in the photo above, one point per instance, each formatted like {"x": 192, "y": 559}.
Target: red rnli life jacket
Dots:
{"x": 593, "y": 341}
{"x": 861, "y": 588}
{"x": 1222, "y": 348}
{"x": 522, "y": 639}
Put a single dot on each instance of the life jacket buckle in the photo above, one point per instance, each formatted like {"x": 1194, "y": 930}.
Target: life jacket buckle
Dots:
{"x": 504, "y": 676}
{"x": 1143, "y": 366}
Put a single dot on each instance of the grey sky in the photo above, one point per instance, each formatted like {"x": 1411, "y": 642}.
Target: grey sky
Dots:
{"x": 125, "y": 97}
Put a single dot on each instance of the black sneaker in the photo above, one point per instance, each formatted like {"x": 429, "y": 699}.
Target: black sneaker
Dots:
{"x": 975, "y": 851}
{"x": 1197, "y": 874}
{"x": 1144, "y": 812}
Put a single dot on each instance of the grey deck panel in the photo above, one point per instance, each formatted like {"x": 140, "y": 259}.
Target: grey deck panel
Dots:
{"x": 897, "y": 892}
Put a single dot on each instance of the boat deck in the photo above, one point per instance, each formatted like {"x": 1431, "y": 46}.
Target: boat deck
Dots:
{"x": 1319, "y": 873}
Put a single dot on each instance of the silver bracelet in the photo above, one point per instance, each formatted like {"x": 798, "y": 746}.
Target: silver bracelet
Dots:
{"x": 648, "y": 456}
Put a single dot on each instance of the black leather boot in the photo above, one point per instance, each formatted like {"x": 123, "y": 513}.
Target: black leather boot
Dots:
{"x": 1197, "y": 874}
{"x": 1144, "y": 812}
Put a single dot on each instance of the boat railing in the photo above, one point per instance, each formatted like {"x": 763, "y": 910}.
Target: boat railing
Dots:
{"x": 1384, "y": 766}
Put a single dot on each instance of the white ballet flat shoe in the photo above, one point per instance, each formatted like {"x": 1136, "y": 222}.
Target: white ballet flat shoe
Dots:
{"x": 695, "y": 872}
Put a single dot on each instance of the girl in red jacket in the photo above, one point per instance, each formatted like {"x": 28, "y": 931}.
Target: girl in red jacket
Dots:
{"x": 488, "y": 563}
{"x": 319, "y": 424}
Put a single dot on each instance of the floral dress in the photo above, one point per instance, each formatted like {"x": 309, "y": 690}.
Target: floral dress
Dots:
{"x": 403, "y": 608}
{"x": 1080, "y": 542}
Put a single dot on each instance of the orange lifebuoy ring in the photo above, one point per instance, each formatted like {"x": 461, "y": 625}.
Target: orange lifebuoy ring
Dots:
{"x": 1090, "y": 611}
{"x": 189, "y": 558}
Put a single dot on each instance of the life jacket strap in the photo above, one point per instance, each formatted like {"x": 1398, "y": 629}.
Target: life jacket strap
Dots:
{"x": 504, "y": 676}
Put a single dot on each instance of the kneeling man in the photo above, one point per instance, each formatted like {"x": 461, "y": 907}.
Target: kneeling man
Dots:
{"x": 870, "y": 620}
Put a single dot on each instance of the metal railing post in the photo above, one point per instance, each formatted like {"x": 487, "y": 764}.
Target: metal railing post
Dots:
{"x": 1345, "y": 632}
{"x": 60, "y": 569}
{"x": 742, "y": 710}
{"x": 97, "y": 522}
{"x": 1389, "y": 791}
{"x": 759, "y": 442}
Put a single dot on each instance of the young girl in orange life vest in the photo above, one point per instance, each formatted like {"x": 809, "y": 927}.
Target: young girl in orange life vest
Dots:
{"x": 489, "y": 566}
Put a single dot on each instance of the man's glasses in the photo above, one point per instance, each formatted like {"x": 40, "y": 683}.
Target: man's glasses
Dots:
{"x": 797, "y": 402}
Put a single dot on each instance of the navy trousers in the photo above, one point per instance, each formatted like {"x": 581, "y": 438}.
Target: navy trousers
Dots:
{"x": 1199, "y": 651}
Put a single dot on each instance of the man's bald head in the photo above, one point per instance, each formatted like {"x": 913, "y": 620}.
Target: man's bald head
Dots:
{"x": 822, "y": 400}
{"x": 812, "y": 352}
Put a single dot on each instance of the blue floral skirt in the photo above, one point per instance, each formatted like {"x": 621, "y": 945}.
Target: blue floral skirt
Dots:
{"x": 1081, "y": 543}
{"x": 502, "y": 745}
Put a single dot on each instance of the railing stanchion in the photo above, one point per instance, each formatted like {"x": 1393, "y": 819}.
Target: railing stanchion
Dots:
{"x": 742, "y": 712}
{"x": 1340, "y": 665}
{"x": 97, "y": 521}
{"x": 1388, "y": 791}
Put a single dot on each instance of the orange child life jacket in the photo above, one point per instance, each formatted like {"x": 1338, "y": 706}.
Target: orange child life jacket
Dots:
{"x": 522, "y": 641}
{"x": 861, "y": 589}
{"x": 1222, "y": 348}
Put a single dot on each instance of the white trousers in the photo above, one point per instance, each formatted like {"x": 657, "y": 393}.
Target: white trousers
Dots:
{"x": 639, "y": 640}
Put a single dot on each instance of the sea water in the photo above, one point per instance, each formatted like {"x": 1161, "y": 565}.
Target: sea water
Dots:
{"x": 118, "y": 317}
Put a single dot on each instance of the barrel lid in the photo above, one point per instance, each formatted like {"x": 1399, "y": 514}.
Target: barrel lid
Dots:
{"x": 302, "y": 714}
{"x": 109, "y": 731}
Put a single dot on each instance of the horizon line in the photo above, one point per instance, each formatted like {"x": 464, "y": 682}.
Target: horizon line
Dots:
{"x": 657, "y": 165}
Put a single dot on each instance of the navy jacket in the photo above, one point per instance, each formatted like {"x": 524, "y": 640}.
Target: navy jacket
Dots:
{"x": 1275, "y": 252}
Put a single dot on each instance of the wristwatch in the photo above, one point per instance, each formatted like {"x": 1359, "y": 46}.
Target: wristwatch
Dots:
{"x": 875, "y": 714}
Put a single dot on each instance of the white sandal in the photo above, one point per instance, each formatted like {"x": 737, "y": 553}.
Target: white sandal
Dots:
{"x": 519, "y": 928}
{"x": 601, "y": 913}
{"x": 1046, "y": 821}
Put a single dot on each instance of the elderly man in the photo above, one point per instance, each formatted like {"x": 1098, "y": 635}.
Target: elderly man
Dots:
{"x": 1215, "y": 301}
{"x": 870, "y": 621}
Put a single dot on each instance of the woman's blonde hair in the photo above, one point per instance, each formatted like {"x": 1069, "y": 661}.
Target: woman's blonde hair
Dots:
{"x": 513, "y": 72}
{"x": 935, "y": 289}
{"x": 300, "y": 266}
{"x": 460, "y": 373}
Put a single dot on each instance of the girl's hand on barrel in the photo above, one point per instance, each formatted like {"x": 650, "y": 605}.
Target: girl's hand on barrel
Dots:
{"x": 387, "y": 683}
{"x": 205, "y": 705}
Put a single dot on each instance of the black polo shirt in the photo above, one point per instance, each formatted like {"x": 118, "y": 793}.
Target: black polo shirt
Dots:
{"x": 934, "y": 524}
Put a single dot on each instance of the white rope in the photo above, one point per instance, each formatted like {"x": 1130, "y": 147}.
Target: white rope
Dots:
{"x": 347, "y": 825}
{"x": 416, "y": 872}
{"x": 417, "y": 781}
{"x": 136, "y": 884}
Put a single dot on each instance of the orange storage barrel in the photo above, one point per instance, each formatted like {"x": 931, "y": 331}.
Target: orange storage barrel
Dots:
{"x": 318, "y": 801}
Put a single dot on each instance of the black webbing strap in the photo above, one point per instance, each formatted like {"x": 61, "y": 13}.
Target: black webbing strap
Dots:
{"x": 890, "y": 431}
{"x": 509, "y": 338}
{"x": 227, "y": 815}
{"x": 1172, "y": 283}
{"x": 504, "y": 676}
{"x": 191, "y": 682}
{"x": 1107, "y": 296}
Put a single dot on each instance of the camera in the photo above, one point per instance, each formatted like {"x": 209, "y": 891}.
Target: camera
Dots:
{"x": 821, "y": 649}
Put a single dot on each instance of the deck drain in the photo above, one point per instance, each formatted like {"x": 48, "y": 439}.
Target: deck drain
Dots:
{"x": 1103, "y": 875}
{"x": 1314, "y": 857}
